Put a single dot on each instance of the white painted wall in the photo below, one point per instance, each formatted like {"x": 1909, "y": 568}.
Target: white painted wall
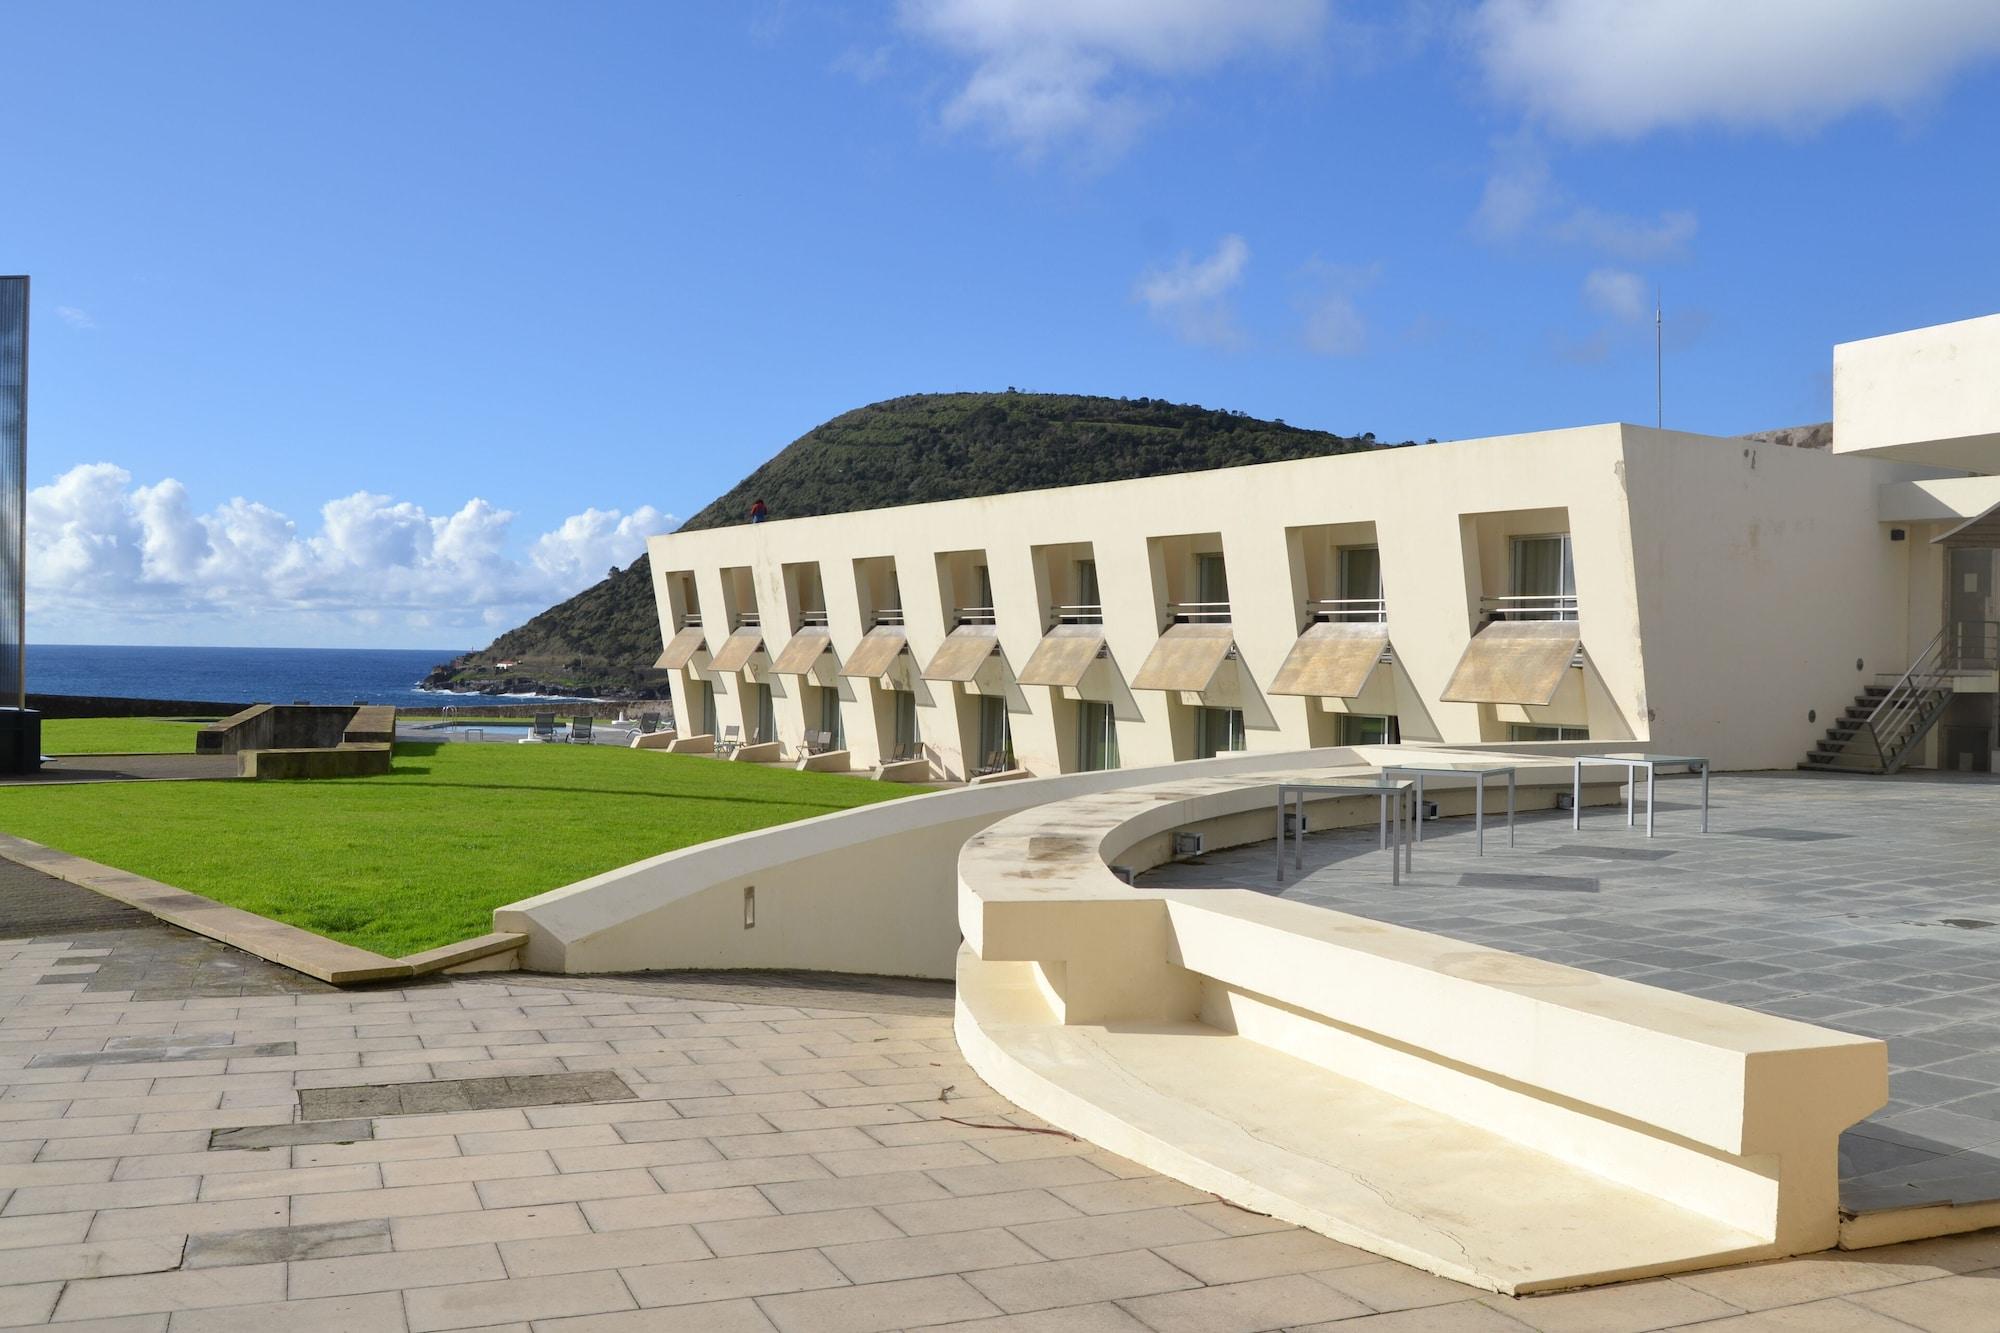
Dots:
{"x": 1928, "y": 395}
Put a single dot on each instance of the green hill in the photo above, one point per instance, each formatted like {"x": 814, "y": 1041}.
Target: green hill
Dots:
{"x": 912, "y": 450}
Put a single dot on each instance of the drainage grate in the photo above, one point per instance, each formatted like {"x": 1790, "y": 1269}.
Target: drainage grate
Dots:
{"x": 1967, "y": 923}
{"x": 1788, "y": 834}
{"x": 1538, "y": 883}
{"x": 460, "y": 1094}
{"x": 1608, "y": 853}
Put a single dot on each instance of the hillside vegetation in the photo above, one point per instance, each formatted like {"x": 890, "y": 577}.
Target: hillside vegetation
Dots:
{"x": 911, "y": 450}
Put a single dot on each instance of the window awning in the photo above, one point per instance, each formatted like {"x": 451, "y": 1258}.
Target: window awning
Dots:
{"x": 738, "y": 649}
{"x": 680, "y": 649}
{"x": 1063, "y": 655}
{"x": 1982, "y": 529}
{"x": 1514, "y": 662}
{"x": 963, "y": 652}
{"x": 1186, "y": 658}
{"x": 876, "y": 652}
{"x": 1332, "y": 659}
{"x": 803, "y": 651}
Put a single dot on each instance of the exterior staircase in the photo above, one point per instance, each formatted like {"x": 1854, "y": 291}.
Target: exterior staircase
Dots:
{"x": 1883, "y": 727}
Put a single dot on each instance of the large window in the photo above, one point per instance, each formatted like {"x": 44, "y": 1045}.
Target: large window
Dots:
{"x": 1542, "y": 579}
{"x": 1361, "y": 572}
{"x": 1218, "y": 731}
{"x": 1366, "y": 729}
{"x": 1086, "y": 583}
{"x": 830, "y": 720}
{"x": 1535, "y": 731}
{"x": 764, "y": 721}
{"x": 907, "y": 737}
{"x": 704, "y": 707}
{"x": 1211, "y": 581}
{"x": 1096, "y": 737}
{"x": 996, "y": 737}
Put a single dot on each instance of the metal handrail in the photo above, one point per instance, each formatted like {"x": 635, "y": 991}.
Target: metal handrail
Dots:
{"x": 1213, "y": 613}
{"x": 748, "y": 620}
{"x": 974, "y": 615}
{"x": 892, "y": 616}
{"x": 1082, "y": 613}
{"x": 1350, "y": 610}
{"x": 692, "y": 620}
{"x": 1541, "y": 607}
{"x": 1891, "y": 723}
{"x": 811, "y": 618}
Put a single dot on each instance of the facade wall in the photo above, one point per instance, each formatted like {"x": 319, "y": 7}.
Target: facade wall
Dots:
{"x": 1928, "y": 395}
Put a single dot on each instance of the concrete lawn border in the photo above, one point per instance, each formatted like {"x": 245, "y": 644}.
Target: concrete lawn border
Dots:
{"x": 316, "y": 956}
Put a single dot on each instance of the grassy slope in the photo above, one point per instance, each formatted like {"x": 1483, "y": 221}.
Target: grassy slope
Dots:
{"x": 120, "y": 735}
{"x": 421, "y": 857}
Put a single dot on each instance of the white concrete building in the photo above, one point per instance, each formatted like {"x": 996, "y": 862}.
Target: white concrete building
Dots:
{"x": 1749, "y": 601}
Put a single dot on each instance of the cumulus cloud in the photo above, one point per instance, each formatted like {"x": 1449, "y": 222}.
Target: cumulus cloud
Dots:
{"x": 104, "y": 552}
{"x": 75, "y": 318}
{"x": 1192, "y": 296}
{"x": 1049, "y": 72}
{"x": 1623, "y": 68}
{"x": 1522, "y": 198}
{"x": 1618, "y": 294}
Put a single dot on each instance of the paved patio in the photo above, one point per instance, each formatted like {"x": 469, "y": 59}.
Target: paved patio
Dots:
{"x": 1868, "y": 905}
{"x": 798, "y": 1153}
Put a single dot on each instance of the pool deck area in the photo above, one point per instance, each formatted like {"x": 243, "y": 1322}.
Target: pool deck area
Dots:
{"x": 1871, "y": 906}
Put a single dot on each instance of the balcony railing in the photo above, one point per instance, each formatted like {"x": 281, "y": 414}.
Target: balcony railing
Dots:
{"x": 1557, "y": 607}
{"x": 808, "y": 619}
{"x": 692, "y": 620}
{"x": 748, "y": 620}
{"x": 1351, "y": 610}
{"x": 1082, "y": 613}
{"x": 890, "y": 616}
{"x": 973, "y": 615}
{"x": 1198, "y": 613}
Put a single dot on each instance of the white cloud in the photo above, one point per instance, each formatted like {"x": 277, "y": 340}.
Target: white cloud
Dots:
{"x": 1621, "y": 295}
{"x": 1047, "y": 72}
{"x": 76, "y": 319}
{"x": 105, "y": 554}
{"x": 1523, "y": 198}
{"x": 1331, "y": 320}
{"x": 1622, "y": 68}
{"x": 1192, "y": 297}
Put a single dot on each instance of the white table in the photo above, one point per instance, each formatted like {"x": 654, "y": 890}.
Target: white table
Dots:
{"x": 1390, "y": 797}
{"x": 1478, "y": 776}
{"x": 1632, "y": 764}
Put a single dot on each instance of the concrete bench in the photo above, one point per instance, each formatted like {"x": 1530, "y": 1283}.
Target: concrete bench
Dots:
{"x": 1503, "y": 1121}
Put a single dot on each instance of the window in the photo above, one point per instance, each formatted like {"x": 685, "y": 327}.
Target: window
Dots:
{"x": 985, "y": 579}
{"x": 1361, "y": 572}
{"x": 1543, "y": 571}
{"x": 907, "y": 737}
{"x": 1086, "y": 583}
{"x": 707, "y": 708}
{"x": 1535, "y": 731}
{"x": 830, "y": 720}
{"x": 1364, "y": 729}
{"x": 766, "y": 725}
{"x": 1218, "y": 731}
{"x": 1096, "y": 737}
{"x": 996, "y": 736}
{"x": 1211, "y": 581}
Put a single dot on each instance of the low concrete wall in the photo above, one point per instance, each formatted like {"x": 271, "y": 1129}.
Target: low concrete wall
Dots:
{"x": 703, "y": 744}
{"x": 764, "y": 752}
{"x": 826, "y": 761}
{"x": 338, "y": 761}
{"x": 85, "y": 705}
{"x": 277, "y": 727}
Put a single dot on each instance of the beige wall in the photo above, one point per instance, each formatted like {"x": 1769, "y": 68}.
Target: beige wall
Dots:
{"x": 1929, "y": 395}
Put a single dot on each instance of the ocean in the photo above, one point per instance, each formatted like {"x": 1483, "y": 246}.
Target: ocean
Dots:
{"x": 244, "y": 675}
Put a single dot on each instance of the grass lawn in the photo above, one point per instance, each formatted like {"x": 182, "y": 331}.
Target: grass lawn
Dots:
{"x": 421, "y": 856}
{"x": 120, "y": 735}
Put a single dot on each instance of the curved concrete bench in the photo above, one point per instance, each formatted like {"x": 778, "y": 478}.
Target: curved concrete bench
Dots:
{"x": 1499, "y": 1120}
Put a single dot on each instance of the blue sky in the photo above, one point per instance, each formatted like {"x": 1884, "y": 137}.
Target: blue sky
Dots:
{"x": 389, "y": 324}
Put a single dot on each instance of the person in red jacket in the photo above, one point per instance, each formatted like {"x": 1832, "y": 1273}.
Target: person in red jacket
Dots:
{"x": 758, "y": 513}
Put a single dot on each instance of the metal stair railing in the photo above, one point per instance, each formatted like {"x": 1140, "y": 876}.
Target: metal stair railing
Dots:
{"x": 1917, "y": 698}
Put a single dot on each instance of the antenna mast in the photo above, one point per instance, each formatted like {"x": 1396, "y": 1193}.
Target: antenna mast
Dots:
{"x": 1659, "y": 366}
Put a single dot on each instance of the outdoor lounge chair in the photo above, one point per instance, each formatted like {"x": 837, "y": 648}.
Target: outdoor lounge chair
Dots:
{"x": 996, "y": 762}
{"x": 579, "y": 730}
{"x": 545, "y": 727}
{"x": 731, "y": 739}
{"x": 648, "y": 723}
{"x": 818, "y": 742}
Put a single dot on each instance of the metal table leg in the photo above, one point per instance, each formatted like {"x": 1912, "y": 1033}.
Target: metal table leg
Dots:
{"x": 1651, "y": 789}
{"x": 1281, "y": 835}
{"x": 1299, "y": 831}
{"x": 1576, "y": 798}
{"x": 1510, "y": 807}
{"x": 1478, "y": 812}
{"x": 1631, "y": 796}
{"x": 1704, "y": 796}
{"x": 1419, "y": 811}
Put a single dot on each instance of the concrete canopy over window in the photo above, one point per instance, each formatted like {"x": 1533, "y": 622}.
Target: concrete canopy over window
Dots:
{"x": 1063, "y": 655}
{"x": 1514, "y": 662}
{"x": 963, "y": 653}
{"x": 1187, "y": 658}
{"x": 876, "y": 653}
{"x": 680, "y": 649}
{"x": 738, "y": 649}
{"x": 1332, "y": 660}
{"x": 805, "y": 649}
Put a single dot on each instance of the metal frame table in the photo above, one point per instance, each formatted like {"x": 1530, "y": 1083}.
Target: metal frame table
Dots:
{"x": 1478, "y": 776}
{"x": 1632, "y": 763}
{"x": 1389, "y": 802}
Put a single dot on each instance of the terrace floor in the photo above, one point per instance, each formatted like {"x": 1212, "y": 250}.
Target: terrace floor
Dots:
{"x": 796, "y": 1153}
{"x": 1871, "y": 905}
